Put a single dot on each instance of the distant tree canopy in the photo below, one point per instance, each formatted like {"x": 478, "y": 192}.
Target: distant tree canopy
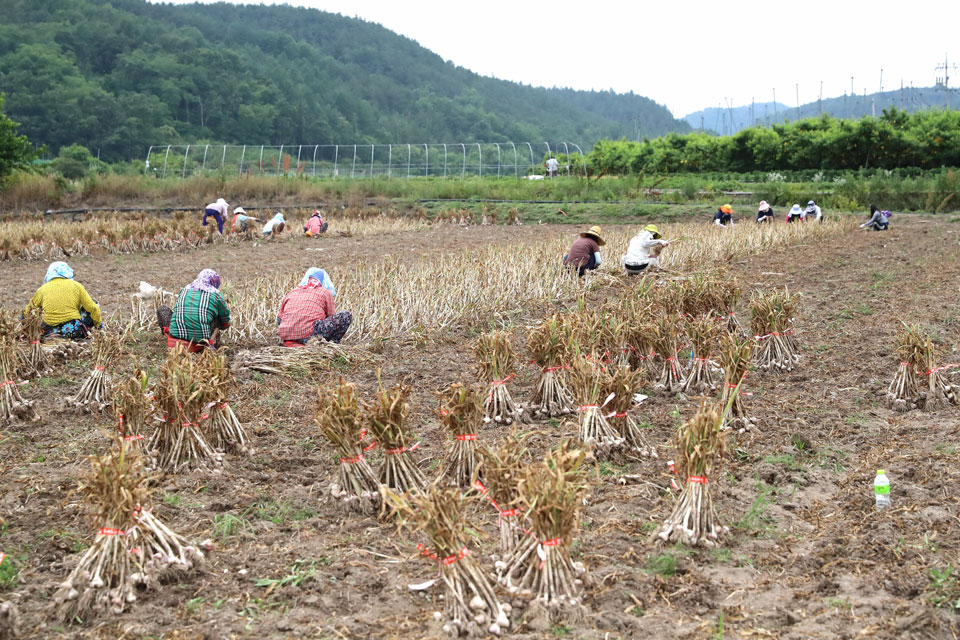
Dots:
{"x": 16, "y": 152}
{"x": 118, "y": 75}
{"x": 925, "y": 139}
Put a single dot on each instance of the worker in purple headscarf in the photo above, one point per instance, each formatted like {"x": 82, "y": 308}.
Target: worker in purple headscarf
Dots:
{"x": 198, "y": 316}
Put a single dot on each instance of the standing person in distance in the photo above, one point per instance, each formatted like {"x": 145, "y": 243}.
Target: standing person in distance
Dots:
{"x": 584, "y": 254}
{"x": 724, "y": 216}
{"x": 813, "y": 210}
{"x": 218, "y": 211}
{"x": 553, "y": 167}
{"x": 764, "y": 213}
{"x": 644, "y": 251}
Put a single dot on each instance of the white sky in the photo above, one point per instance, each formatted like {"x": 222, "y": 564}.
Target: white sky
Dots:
{"x": 686, "y": 55}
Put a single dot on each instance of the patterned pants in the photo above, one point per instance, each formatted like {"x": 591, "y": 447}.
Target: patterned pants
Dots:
{"x": 333, "y": 328}
{"x": 72, "y": 329}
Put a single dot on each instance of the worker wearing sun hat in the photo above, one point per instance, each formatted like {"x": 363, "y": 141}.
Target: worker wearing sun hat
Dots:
{"x": 644, "y": 251}
{"x": 764, "y": 212}
{"x": 724, "y": 216}
{"x": 796, "y": 213}
{"x": 584, "y": 254}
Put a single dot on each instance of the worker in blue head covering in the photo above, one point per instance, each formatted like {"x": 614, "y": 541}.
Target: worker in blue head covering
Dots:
{"x": 309, "y": 311}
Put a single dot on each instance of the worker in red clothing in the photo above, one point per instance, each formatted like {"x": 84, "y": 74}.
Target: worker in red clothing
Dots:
{"x": 584, "y": 254}
{"x": 309, "y": 311}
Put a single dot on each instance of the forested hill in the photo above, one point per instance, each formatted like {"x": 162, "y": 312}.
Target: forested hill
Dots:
{"x": 119, "y": 75}
{"x": 727, "y": 121}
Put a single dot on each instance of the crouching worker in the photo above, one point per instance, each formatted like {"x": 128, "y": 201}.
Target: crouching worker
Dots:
{"x": 879, "y": 220}
{"x": 764, "y": 213}
{"x": 644, "y": 251}
{"x": 241, "y": 221}
{"x": 198, "y": 317}
{"x": 315, "y": 225}
{"x": 584, "y": 254}
{"x": 274, "y": 226}
{"x": 724, "y": 216}
{"x": 66, "y": 309}
{"x": 309, "y": 311}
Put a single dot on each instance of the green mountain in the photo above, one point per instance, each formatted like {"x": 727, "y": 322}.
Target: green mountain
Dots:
{"x": 120, "y": 75}
{"x": 728, "y": 121}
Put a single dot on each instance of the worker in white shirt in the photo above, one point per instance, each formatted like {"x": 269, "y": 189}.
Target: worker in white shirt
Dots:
{"x": 644, "y": 251}
{"x": 218, "y": 211}
{"x": 553, "y": 167}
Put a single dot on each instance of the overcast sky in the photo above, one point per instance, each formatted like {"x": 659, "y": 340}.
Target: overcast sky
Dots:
{"x": 686, "y": 55}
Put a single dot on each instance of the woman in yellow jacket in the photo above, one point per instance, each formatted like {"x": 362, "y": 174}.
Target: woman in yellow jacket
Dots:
{"x": 66, "y": 308}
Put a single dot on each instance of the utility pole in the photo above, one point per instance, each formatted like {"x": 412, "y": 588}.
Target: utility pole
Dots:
{"x": 798, "y": 100}
{"x": 753, "y": 120}
{"x": 774, "y": 104}
{"x": 944, "y": 82}
{"x": 820, "y": 98}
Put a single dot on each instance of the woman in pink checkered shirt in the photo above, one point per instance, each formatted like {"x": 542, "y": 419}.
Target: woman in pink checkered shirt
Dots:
{"x": 309, "y": 311}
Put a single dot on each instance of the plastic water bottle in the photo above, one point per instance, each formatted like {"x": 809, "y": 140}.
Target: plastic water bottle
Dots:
{"x": 881, "y": 489}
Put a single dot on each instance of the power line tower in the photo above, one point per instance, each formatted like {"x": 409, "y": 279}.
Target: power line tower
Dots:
{"x": 943, "y": 82}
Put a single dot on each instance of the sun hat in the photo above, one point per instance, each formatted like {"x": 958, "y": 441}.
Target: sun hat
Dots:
{"x": 763, "y": 205}
{"x": 726, "y": 208}
{"x": 595, "y": 232}
{"x": 795, "y": 209}
{"x": 652, "y": 228}
{"x": 238, "y": 210}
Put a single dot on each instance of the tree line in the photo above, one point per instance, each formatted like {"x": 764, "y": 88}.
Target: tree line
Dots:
{"x": 896, "y": 139}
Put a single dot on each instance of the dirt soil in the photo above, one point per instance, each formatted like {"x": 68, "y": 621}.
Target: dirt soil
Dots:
{"x": 808, "y": 555}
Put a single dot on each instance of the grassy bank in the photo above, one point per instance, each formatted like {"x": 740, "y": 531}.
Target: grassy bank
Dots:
{"x": 935, "y": 192}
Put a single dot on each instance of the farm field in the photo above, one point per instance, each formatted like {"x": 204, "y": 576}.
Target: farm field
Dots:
{"x": 807, "y": 554}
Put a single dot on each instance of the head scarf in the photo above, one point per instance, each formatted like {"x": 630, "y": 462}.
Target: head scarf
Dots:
{"x": 313, "y": 273}
{"x": 207, "y": 280}
{"x": 58, "y": 270}
{"x": 222, "y": 202}
{"x": 316, "y": 214}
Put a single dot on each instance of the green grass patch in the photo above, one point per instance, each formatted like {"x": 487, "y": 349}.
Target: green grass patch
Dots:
{"x": 787, "y": 460}
{"x": 756, "y": 520}
{"x": 9, "y": 573}
{"x": 299, "y": 574}
{"x": 944, "y": 588}
{"x": 280, "y": 512}
{"x": 227, "y": 525}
